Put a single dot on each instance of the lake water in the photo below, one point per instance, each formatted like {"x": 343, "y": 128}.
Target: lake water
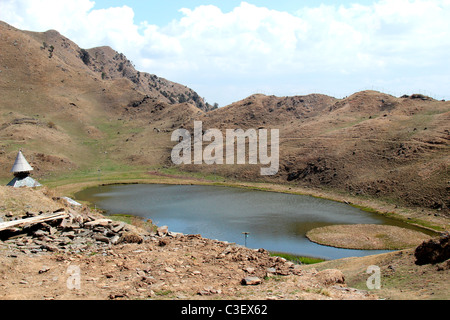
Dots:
{"x": 275, "y": 221}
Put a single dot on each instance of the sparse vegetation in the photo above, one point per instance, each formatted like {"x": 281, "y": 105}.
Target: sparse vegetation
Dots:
{"x": 51, "y": 125}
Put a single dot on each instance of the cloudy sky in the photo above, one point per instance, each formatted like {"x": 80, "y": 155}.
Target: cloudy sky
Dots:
{"x": 228, "y": 50}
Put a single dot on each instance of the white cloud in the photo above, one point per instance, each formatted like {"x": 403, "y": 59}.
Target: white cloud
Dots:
{"x": 244, "y": 39}
{"x": 77, "y": 20}
{"x": 336, "y": 49}
{"x": 45, "y": 14}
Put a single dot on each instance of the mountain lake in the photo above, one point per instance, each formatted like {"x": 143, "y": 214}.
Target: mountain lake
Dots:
{"x": 274, "y": 221}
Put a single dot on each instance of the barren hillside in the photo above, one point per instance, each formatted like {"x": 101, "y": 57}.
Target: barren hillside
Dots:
{"x": 65, "y": 106}
{"x": 369, "y": 144}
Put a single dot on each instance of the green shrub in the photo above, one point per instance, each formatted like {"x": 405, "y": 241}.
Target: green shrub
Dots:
{"x": 85, "y": 57}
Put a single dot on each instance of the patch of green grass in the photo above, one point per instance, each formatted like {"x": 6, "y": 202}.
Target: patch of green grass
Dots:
{"x": 198, "y": 175}
{"x": 275, "y": 277}
{"x": 321, "y": 291}
{"x": 425, "y": 224}
{"x": 163, "y": 293}
{"x": 363, "y": 208}
{"x": 127, "y": 218}
{"x": 12, "y": 146}
{"x": 135, "y": 221}
{"x": 107, "y": 172}
{"x": 296, "y": 258}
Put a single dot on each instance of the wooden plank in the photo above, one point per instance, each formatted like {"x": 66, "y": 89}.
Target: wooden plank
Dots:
{"x": 33, "y": 220}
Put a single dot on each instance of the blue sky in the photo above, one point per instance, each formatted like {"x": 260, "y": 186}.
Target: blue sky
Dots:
{"x": 228, "y": 50}
{"x": 163, "y": 12}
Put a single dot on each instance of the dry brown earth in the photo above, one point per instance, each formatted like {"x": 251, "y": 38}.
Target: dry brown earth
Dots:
{"x": 187, "y": 268}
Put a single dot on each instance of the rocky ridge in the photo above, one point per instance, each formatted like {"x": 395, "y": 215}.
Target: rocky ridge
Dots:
{"x": 108, "y": 65}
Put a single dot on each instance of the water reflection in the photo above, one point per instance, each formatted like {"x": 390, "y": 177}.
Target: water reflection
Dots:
{"x": 276, "y": 221}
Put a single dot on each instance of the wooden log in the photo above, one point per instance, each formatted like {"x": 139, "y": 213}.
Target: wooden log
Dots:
{"x": 32, "y": 221}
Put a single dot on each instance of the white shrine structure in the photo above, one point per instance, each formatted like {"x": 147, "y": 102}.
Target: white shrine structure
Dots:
{"x": 21, "y": 170}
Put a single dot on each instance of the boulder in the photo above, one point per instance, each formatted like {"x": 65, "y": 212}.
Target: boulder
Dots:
{"x": 162, "y": 231}
{"x": 130, "y": 237}
{"x": 118, "y": 227}
{"x": 251, "y": 281}
{"x": 249, "y": 270}
{"x": 271, "y": 270}
{"x": 433, "y": 251}
{"x": 163, "y": 243}
{"x": 330, "y": 277}
{"x": 101, "y": 238}
{"x": 170, "y": 270}
{"x": 44, "y": 269}
{"x": 49, "y": 247}
{"x": 115, "y": 240}
{"x": 99, "y": 222}
{"x": 40, "y": 233}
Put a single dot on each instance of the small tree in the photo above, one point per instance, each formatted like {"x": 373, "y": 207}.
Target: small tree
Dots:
{"x": 51, "y": 125}
{"x": 85, "y": 57}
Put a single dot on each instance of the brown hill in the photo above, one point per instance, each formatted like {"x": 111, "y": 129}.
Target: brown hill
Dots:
{"x": 64, "y": 106}
{"x": 80, "y": 111}
{"x": 369, "y": 144}
{"x": 108, "y": 64}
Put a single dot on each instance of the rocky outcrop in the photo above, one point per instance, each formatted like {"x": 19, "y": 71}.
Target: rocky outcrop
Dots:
{"x": 434, "y": 250}
{"x": 73, "y": 232}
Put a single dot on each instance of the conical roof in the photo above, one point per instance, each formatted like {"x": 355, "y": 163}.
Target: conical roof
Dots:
{"x": 21, "y": 164}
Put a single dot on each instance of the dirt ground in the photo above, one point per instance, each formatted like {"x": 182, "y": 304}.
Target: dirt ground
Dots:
{"x": 186, "y": 268}
{"x": 401, "y": 278}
